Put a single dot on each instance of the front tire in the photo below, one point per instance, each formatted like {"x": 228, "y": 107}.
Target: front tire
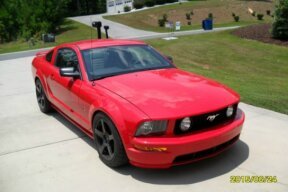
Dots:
{"x": 42, "y": 100}
{"x": 108, "y": 142}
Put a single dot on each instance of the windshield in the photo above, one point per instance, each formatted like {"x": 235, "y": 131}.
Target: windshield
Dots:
{"x": 116, "y": 60}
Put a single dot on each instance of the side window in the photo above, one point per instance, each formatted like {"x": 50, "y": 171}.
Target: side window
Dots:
{"x": 66, "y": 58}
{"x": 49, "y": 56}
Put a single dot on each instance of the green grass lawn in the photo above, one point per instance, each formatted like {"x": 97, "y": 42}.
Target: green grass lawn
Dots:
{"x": 70, "y": 31}
{"x": 256, "y": 70}
{"x": 221, "y": 9}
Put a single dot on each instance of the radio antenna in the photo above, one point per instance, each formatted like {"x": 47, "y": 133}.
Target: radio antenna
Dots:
{"x": 91, "y": 52}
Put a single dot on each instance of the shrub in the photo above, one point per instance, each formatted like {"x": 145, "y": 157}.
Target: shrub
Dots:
{"x": 165, "y": 17}
{"x": 161, "y": 22}
{"x": 253, "y": 13}
{"x": 171, "y": 1}
{"x": 138, "y": 4}
{"x": 210, "y": 16}
{"x": 236, "y": 18}
{"x": 160, "y": 2}
{"x": 192, "y": 12}
{"x": 260, "y": 16}
{"x": 188, "y": 16}
{"x": 268, "y": 12}
{"x": 149, "y": 3}
{"x": 127, "y": 8}
{"x": 280, "y": 24}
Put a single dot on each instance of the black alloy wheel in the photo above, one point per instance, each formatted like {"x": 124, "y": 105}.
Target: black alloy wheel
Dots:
{"x": 105, "y": 139}
{"x": 108, "y": 142}
{"x": 42, "y": 100}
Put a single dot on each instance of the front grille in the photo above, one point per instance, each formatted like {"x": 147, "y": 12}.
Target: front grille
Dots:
{"x": 200, "y": 122}
{"x": 205, "y": 153}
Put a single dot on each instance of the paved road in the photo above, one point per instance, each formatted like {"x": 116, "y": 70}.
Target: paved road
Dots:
{"x": 116, "y": 30}
{"x": 20, "y": 54}
{"x": 46, "y": 153}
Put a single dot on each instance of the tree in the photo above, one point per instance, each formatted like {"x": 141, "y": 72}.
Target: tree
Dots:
{"x": 9, "y": 25}
{"x": 280, "y": 24}
{"x": 41, "y": 16}
{"x": 28, "y": 18}
{"x": 31, "y": 18}
{"x": 86, "y": 7}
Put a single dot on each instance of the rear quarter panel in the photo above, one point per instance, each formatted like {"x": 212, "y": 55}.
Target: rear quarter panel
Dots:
{"x": 39, "y": 69}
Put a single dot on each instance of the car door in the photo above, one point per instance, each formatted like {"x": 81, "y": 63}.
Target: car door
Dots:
{"x": 65, "y": 90}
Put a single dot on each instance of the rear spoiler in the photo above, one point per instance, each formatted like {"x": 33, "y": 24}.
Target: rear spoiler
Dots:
{"x": 42, "y": 53}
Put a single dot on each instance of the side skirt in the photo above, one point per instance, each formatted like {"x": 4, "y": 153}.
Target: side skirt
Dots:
{"x": 89, "y": 134}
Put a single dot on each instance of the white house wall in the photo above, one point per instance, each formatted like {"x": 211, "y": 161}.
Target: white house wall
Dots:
{"x": 115, "y": 6}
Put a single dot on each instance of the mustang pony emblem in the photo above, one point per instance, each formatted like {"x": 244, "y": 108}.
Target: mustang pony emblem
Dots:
{"x": 212, "y": 117}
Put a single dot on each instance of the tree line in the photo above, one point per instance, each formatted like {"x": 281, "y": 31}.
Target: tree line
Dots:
{"x": 31, "y": 18}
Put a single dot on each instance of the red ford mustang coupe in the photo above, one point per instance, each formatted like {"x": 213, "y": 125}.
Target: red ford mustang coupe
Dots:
{"x": 136, "y": 105}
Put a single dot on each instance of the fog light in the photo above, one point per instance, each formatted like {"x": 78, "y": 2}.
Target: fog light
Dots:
{"x": 185, "y": 124}
{"x": 230, "y": 111}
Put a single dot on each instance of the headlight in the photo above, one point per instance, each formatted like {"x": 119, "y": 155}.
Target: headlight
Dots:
{"x": 151, "y": 128}
{"x": 230, "y": 111}
{"x": 185, "y": 124}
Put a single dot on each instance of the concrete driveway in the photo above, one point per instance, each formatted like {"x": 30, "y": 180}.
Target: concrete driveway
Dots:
{"x": 47, "y": 153}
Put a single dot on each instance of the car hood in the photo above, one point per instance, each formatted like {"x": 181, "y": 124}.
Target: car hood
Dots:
{"x": 170, "y": 93}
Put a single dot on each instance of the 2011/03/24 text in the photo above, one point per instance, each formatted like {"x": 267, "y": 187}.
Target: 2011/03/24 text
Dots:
{"x": 253, "y": 179}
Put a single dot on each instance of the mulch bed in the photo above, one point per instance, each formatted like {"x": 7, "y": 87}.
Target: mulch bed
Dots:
{"x": 260, "y": 33}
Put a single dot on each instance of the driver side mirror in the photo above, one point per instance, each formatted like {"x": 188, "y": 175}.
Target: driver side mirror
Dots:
{"x": 169, "y": 58}
{"x": 69, "y": 72}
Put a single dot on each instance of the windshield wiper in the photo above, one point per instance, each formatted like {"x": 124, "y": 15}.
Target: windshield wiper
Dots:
{"x": 104, "y": 76}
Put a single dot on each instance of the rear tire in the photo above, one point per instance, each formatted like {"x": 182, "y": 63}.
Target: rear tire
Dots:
{"x": 42, "y": 100}
{"x": 108, "y": 142}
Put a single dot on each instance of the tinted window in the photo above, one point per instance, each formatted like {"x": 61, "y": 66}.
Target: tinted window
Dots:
{"x": 66, "y": 58}
{"x": 49, "y": 56}
{"x": 109, "y": 61}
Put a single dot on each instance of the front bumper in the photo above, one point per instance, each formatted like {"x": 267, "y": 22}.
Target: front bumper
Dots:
{"x": 185, "y": 149}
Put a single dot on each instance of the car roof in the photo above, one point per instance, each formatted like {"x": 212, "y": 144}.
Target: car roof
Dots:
{"x": 88, "y": 44}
